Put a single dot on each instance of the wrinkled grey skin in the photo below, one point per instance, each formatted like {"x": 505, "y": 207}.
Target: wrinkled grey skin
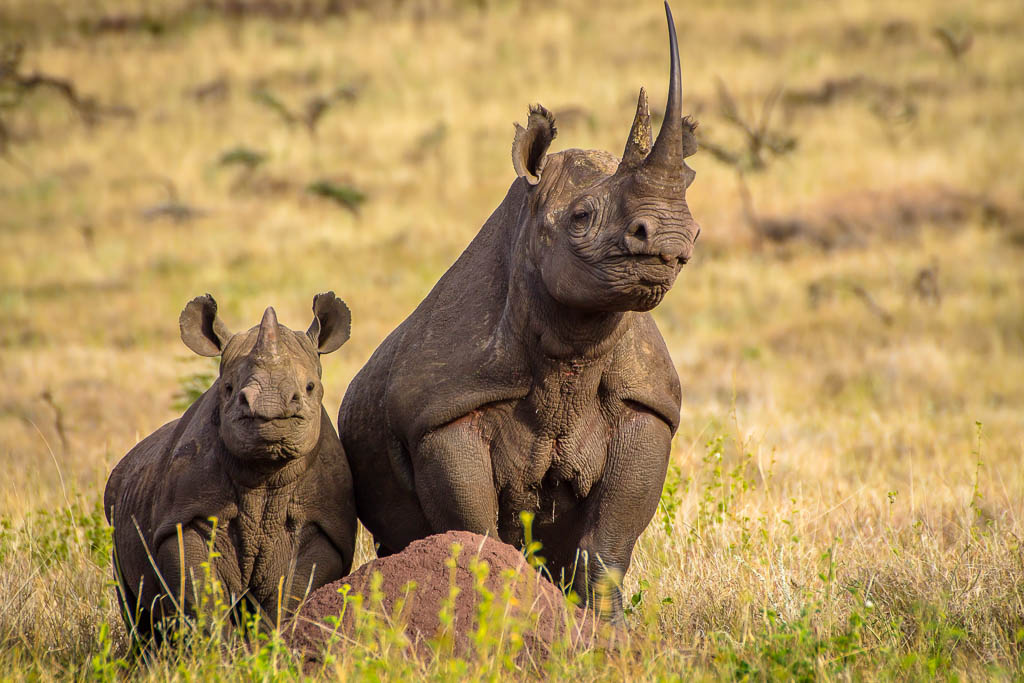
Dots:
{"x": 531, "y": 378}
{"x": 256, "y": 451}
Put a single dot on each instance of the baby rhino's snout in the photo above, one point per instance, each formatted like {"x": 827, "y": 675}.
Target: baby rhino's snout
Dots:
{"x": 273, "y": 403}
{"x": 248, "y": 396}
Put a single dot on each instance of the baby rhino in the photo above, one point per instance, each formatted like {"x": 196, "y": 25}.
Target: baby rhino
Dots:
{"x": 253, "y": 471}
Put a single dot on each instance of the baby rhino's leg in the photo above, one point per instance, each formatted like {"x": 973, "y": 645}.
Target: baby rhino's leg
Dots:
{"x": 185, "y": 584}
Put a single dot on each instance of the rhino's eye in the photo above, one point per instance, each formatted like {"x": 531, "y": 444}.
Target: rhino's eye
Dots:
{"x": 581, "y": 215}
{"x": 228, "y": 388}
{"x": 310, "y": 387}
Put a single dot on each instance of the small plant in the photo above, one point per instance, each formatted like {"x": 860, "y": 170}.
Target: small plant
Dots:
{"x": 444, "y": 642}
{"x": 722, "y": 490}
{"x": 242, "y": 156}
{"x": 638, "y": 597}
{"x": 346, "y": 195}
{"x": 194, "y": 385}
{"x": 105, "y": 665}
{"x": 531, "y": 547}
{"x": 976, "y": 453}
{"x": 668, "y": 504}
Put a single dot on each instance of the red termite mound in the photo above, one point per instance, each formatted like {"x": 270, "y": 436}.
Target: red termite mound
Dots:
{"x": 536, "y": 610}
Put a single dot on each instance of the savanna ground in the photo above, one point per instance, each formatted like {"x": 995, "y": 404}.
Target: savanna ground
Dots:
{"x": 845, "y": 497}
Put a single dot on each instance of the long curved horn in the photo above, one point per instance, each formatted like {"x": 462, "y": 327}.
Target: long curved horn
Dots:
{"x": 639, "y": 143}
{"x": 668, "y": 148}
{"x": 266, "y": 342}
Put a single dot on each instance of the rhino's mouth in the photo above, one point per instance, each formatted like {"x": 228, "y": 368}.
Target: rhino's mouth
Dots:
{"x": 652, "y": 271}
{"x": 270, "y": 428}
{"x": 260, "y": 419}
{"x": 646, "y": 269}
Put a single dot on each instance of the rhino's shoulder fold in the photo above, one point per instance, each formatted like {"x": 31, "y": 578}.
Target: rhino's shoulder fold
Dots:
{"x": 318, "y": 492}
{"x": 169, "y": 477}
{"x": 642, "y": 371}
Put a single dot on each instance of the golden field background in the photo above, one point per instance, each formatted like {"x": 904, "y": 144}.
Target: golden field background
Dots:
{"x": 850, "y": 444}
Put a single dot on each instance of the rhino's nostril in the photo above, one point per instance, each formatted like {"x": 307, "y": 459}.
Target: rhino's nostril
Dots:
{"x": 247, "y": 398}
{"x": 639, "y": 230}
{"x": 295, "y": 397}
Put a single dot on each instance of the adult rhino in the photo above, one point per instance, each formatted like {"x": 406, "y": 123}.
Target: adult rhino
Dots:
{"x": 532, "y": 378}
{"x": 253, "y": 471}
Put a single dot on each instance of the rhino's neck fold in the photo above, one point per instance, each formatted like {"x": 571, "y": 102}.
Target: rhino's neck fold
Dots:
{"x": 266, "y": 473}
{"x": 552, "y": 330}
{"x": 544, "y": 327}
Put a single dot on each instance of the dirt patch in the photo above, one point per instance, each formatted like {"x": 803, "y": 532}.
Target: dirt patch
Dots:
{"x": 523, "y": 601}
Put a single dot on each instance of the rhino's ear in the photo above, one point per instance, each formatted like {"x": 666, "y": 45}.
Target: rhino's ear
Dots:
{"x": 530, "y": 147}
{"x": 689, "y": 136}
{"x": 689, "y": 147}
{"x": 201, "y": 329}
{"x": 332, "y": 323}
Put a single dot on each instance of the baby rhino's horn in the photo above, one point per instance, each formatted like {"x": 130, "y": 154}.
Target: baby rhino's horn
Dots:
{"x": 266, "y": 342}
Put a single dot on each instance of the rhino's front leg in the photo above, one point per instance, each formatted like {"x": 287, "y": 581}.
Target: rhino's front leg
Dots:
{"x": 621, "y": 508}
{"x": 188, "y": 585}
{"x": 454, "y": 480}
{"x": 164, "y": 585}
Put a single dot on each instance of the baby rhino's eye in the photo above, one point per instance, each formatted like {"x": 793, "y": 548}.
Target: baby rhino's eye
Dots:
{"x": 310, "y": 387}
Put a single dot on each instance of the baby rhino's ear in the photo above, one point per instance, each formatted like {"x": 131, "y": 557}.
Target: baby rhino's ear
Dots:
{"x": 332, "y": 323}
{"x": 201, "y": 329}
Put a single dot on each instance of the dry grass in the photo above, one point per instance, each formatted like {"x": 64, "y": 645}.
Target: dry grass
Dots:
{"x": 848, "y": 519}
